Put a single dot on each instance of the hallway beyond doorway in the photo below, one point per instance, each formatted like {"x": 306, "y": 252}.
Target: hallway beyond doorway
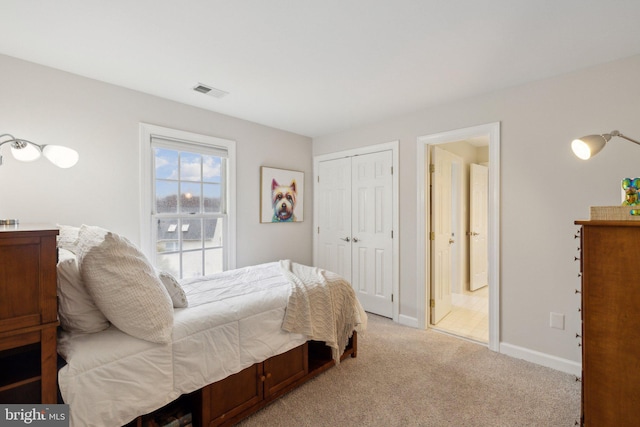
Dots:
{"x": 469, "y": 316}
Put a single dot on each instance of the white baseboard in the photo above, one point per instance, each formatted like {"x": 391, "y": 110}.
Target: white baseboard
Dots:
{"x": 553, "y": 362}
{"x": 408, "y": 321}
{"x": 543, "y": 359}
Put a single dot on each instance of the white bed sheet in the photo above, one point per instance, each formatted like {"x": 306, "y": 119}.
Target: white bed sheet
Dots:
{"x": 233, "y": 320}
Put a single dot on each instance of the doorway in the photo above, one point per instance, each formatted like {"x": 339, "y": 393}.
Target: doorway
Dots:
{"x": 460, "y": 141}
{"x": 457, "y": 218}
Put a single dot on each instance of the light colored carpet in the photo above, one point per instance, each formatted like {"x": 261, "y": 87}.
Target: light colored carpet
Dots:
{"x": 409, "y": 377}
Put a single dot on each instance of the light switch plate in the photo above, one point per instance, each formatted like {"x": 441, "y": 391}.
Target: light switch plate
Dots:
{"x": 556, "y": 320}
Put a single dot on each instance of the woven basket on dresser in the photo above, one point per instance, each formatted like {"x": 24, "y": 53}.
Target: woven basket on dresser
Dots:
{"x": 614, "y": 213}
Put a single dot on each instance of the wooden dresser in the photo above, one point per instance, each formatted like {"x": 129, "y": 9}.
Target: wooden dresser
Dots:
{"x": 609, "y": 261}
{"x": 28, "y": 314}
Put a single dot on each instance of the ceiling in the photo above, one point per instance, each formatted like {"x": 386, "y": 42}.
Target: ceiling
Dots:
{"x": 316, "y": 68}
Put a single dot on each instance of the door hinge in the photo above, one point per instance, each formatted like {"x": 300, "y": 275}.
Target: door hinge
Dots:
{"x": 318, "y": 179}
{"x": 318, "y": 230}
{"x": 392, "y": 234}
{"x": 432, "y": 235}
{"x": 432, "y": 303}
{"x": 391, "y": 170}
{"x": 432, "y": 168}
{"x": 391, "y": 297}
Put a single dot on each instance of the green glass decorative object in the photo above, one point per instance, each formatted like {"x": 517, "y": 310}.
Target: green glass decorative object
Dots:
{"x": 630, "y": 187}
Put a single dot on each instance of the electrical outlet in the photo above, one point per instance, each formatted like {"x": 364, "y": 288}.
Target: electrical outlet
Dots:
{"x": 556, "y": 320}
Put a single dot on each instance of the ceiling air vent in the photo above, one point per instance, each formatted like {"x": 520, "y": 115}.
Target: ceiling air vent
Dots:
{"x": 211, "y": 91}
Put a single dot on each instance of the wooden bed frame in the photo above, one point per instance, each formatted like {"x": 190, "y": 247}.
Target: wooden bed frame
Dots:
{"x": 234, "y": 398}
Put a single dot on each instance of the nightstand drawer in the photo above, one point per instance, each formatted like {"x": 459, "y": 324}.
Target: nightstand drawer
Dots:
{"x": 20, "y": 283}
{"x": 19, "y": 340}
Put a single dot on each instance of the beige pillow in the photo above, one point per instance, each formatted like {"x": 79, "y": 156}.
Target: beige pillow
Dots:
{"x": 76, "y": 309}
{"x": 124, "y": 285}
{"x": 178, "y": 297}
{"x": 68, "y": 237}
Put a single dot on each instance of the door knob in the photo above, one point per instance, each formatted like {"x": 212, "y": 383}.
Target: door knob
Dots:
{"x": 472, "y": 233}
{"x": 451, "y": 241}
{"x": 355, "y": 240}
{"x": 346, "y": 239}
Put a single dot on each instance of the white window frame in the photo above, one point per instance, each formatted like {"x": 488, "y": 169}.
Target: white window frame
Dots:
{"x": 147, "y": 225}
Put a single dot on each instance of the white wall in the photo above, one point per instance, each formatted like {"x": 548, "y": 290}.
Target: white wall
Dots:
{"x": 101, "y": 121}
{"x": 543, "y": 188}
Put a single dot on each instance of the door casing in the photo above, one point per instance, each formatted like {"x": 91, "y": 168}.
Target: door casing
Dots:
{"x": 423, "y": 206}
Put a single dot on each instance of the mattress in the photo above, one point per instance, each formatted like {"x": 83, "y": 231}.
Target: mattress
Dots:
{"x": 233, "y": 320}
{"x": 111, "y": 377}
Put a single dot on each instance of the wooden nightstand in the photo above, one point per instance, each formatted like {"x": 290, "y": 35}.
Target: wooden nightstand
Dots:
{"x": 28, "y": 314}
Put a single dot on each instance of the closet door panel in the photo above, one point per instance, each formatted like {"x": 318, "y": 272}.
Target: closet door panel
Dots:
{"x": 372, "y": 210}
{"x": 334, "y": 230}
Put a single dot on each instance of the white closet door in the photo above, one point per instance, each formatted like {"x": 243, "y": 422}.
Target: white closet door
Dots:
{"x": 355, "y": 209}
{"x": 334, "y": 232}
{"x": 372, "y": 221}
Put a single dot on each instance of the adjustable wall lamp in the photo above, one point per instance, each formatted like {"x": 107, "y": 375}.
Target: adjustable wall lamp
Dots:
{"x": 591, "y": 145}
{"x": 27, "y": 151}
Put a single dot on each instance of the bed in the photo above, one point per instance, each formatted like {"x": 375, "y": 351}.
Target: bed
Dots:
{"x": 220, "y": 325}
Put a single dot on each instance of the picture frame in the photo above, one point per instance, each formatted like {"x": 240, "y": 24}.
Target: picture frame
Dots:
{"x": 281, "y": 195}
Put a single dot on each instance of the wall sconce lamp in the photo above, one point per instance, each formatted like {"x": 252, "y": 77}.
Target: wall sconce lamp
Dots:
{"x": 591, "y": 145}
{"x": 27, "y": 151}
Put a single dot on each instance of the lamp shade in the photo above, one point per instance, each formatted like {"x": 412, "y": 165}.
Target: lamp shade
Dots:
{"x": 25, "y": 152}
{"x": 588, "y": 146}
{"x": 60, "y": 156}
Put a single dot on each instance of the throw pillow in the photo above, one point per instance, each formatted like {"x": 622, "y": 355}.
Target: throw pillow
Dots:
{"x": 68, "y": 237}
{"x": 76, "y": 309}
{"x": 124, "y": 285}
{"x": 178, "y": 297}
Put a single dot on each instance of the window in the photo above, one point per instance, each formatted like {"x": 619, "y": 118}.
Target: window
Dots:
{"x": 188, "y": 178}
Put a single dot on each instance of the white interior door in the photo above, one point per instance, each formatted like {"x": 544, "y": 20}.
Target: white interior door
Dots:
{"x": 355, "y": 222}
{"x": 440, "y": 236}
{"x": 478, "y": 226}
{"x": 334, "y": 219}
{"x": 372, "y": 224}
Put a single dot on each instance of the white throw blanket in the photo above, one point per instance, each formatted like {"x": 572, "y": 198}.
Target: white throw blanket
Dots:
{"x": 322, "y": 306}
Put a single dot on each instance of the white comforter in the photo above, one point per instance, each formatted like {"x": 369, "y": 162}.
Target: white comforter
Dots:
{"x": 234, "y": 320}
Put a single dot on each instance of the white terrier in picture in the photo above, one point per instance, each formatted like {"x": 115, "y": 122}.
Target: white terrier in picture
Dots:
{"x": 283, "y": 200}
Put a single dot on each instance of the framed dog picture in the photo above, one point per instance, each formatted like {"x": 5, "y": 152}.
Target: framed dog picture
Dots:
{"x": 281, "y": 195}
